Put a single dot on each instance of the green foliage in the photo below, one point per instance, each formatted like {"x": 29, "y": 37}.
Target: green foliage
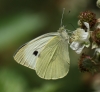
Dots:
{"x": 11, "y": 81}
{"x": 20, "y": 26}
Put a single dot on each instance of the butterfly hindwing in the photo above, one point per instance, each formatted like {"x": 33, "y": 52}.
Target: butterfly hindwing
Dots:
{"x": 53, "y": 62}
{"x": 28, "y": 53}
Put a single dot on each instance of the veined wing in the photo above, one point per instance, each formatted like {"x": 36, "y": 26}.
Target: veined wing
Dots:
{"x": 53, "y": 62}
{"x": 28, "y": 53}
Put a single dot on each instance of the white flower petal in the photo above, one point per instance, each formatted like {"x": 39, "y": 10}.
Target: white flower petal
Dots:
{"x": 80, "y": 49}
{"x": 85, "y": 35}
{"x": 80, "y": 39}
{"x": 98, "y": 26}
{"x": 97, "y": 50}
{"x": 75, "y": 45}
{"x": 80, "y": 34}
{"x": 87, "y": 25}
{"x": 97, "y": 54}
{"x": 94, "y": 45}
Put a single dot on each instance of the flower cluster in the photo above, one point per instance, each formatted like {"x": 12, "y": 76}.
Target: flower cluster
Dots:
{"x": 89, "y": 17}
{"x": 87, "y": 36}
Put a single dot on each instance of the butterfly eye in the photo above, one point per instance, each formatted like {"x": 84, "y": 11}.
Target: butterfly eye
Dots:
{"x": 35, "y": 53}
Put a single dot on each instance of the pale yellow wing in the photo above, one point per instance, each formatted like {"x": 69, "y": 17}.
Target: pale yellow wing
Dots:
{"x": 53, "y": 62}
{"x": 28, "y": 53}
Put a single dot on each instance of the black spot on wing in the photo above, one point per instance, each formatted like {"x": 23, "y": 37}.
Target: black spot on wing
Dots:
{"x": 35, "y": 53}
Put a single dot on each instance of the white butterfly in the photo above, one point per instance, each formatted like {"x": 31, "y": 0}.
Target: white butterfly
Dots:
{"x": 48, "y": 55}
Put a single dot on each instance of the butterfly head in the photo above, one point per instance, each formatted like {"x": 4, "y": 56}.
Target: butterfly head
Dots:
{"x": 63, "y": 32}
{"x": 61, "y": 29}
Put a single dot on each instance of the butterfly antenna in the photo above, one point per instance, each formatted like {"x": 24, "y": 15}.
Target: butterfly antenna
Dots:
{"x": 62, "y": 16}
{"x": 72, "y": 25}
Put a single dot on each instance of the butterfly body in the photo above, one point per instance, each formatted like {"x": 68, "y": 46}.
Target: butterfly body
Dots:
{"x": 47, "y": 54}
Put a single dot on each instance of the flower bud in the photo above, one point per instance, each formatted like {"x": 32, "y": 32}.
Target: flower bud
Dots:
{"x": 98, "y": 20}
{"x": 98, "y": 23}
{"x": 97, "y": 55}
{"x": 84, "y": 62}
{"x": 89, "y": 64}
{"x": 98, "y": 3}
{"x": 88, "y": 17}
{"x": 96, "y": 36}
{"x": 79, "y": 23}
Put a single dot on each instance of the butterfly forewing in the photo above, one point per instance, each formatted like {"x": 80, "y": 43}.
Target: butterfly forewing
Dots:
{"x": 53, "y": 61}
{"x": 28, "y": 53}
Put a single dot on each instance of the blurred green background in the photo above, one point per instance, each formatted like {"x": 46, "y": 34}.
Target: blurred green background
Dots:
{"x": 22, "y": 21}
